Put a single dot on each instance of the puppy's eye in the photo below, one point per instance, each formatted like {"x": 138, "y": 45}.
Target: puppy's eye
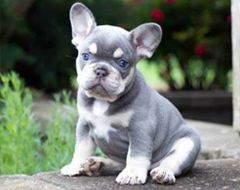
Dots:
{"x": 85, "y": 56}
{"x": 123, "y": 63}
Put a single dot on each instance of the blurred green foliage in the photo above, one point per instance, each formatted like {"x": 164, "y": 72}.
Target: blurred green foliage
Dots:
{"x": 35, "y": 39}
{"x": 151, "y": 73}
{"x": 18, "y": 129}
{"x": 165, "y": 74}
{"x": 26, "y": 146}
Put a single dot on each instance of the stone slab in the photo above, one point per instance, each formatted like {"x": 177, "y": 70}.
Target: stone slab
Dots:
{"x": 207, "y": 174}
{"x": 218, "y": 141}
{"x": 23, "y": 182}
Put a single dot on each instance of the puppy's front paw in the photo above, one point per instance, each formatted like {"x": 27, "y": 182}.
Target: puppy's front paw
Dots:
{"x": 91, "y": 167}
{"x": 71, "y": 170}
{"x": 163, "y": 176}
{"x": 132, "y": 176}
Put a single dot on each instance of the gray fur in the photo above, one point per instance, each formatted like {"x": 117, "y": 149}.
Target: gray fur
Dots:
{"x": 155, "y": 121}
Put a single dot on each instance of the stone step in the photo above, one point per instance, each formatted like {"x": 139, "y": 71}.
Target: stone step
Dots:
{"x": 207, "y": 174}
{"x": 218, "y": 141}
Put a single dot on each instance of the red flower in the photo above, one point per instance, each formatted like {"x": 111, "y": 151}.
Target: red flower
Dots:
{"x": 200, "y": 50}
{"x": 229, "y": 19}
{"x": 157, "y": 15}
{"x": 169, "y": 2}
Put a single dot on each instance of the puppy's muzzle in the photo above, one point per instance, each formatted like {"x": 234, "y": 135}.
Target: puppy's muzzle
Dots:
{"x": 101, "y": 72}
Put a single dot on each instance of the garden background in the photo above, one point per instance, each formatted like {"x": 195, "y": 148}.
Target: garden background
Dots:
{"x": 35, "y": 43}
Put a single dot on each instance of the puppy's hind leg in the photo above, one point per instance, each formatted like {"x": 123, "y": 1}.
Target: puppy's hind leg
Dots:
{"x": 180, "y": 159}
{"x": 96, "y": 166}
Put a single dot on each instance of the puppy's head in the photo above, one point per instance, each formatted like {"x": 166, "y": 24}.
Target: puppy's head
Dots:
{"x": 107, "y": 55}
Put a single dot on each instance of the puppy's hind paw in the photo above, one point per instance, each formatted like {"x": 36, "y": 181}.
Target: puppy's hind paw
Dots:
{"x": 91, "y": 167}
{"x": 163, "y": 176}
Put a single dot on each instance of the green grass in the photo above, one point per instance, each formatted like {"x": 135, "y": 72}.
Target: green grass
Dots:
{"x": 24, "y": 148}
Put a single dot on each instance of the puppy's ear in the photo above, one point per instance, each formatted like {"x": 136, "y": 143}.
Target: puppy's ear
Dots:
{"x": 82, "y": 22}
{"x": 146, "y": 38}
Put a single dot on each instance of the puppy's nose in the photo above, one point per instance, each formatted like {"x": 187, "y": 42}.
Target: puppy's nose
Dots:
{"x": 101, "y": 72}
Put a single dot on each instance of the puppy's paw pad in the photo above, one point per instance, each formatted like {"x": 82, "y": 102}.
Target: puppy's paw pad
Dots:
{"x": 163, "y": 176}
{"x": 131, "y": 176}
{"x": 70, "y": 170}
{"x": 91, "y": 167}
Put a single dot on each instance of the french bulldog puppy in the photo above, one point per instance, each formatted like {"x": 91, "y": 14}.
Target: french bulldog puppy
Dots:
{"x": 137, "y": 129}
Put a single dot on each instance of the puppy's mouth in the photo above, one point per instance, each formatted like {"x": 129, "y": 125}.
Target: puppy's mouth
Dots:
{"x": 98, "y": 87}
{"x": 101, "y": 90}
{"x": 98, "y": 83}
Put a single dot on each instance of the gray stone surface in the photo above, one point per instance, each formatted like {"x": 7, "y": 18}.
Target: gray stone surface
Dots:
{"x": 207, "y": 174}
{"x": 218, "y": 141}
{"x": 23, "y": 182}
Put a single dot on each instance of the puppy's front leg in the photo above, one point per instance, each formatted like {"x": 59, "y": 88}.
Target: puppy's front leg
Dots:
{"x": 84, "y": 148}
{"x": 138, "y": 158}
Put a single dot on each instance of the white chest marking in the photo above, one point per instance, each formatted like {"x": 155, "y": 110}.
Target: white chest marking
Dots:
{"x": 103, "y": 123}
{"x": 100, "y": 107}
